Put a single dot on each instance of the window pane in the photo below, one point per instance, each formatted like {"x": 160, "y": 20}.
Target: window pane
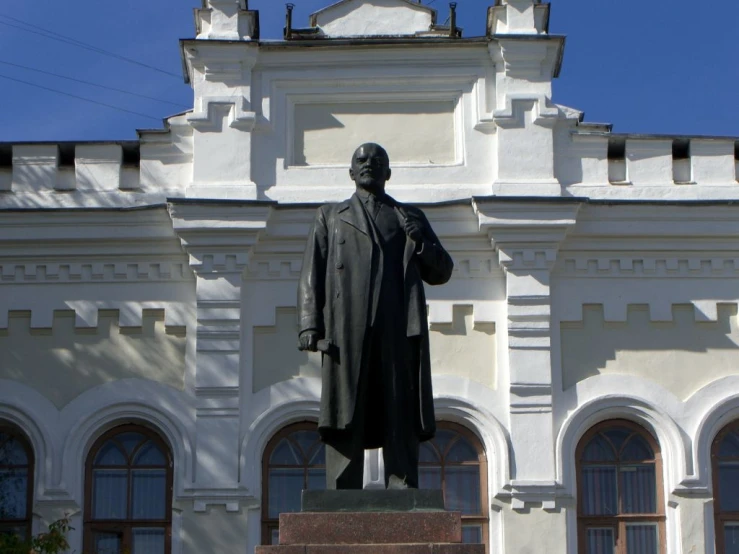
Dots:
{"x": 462, "y": 489}
{"x": 617, "y": 436}
{"x": 731, "y": 538}
{"x": 285, "y": 488}
{"x": 599, "y": 490}
{"x": 427, "y": 453}
{"x": 640, "y": 489}
{"x": 285, "y": 454}
{"x": 107, "y": 543}
{"x": 317, "y": 456}
{"x": 472, "y": 534}
{"x": 728, "y": 482}
{"x": 148, "y": 541}
{"x": 641, "y": 539}
{"x": 149, "y": 493}
{"x": 429, "y": 477}
{"x": 13, "y": 493}
{"x": 130, "y": 441}
{"x": 275, "y": 536}
{"x": 599, "y": 450}
{"x": 316, "y": 479}
{"x": 637, "y": 450}
{"x": 305, "y": 440}
{"x": 109, "y": 493}
{"x": 12, "y": 453}
{"x": 600, "y": 541}
{"x": 443, "y": 438}
{"x": 461, "y": 451}
{"x": 110, "y": 455}
{"x": 729, "y": 446}
{"x": 150, "y": 455}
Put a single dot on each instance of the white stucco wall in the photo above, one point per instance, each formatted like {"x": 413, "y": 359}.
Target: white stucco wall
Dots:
{"x": 63, "y": 362}
{"x": 276, "y": 356}
{"x": 463, "y": 349}
{"x": 681, "y": 355}
{"x": 352, "y": 18}
{"x": 412, "y": 132}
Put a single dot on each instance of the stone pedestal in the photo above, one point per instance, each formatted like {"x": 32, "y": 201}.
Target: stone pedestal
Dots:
{"x": 389, "y": 522}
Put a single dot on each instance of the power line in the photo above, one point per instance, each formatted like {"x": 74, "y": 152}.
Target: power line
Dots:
{"x": 74, "y": 42}
{"x": 79, "y": 97}
{"x": 93, "y": 84}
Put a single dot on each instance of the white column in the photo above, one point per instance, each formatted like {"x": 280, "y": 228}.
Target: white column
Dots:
{"x": 527, "y": 236}
{"x": 218, "y": 238}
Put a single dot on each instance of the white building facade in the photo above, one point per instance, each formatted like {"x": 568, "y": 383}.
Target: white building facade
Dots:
{"x": 586, "y": 347}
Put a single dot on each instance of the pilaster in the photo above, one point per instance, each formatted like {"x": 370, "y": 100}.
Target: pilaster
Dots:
{"x": 526, "y": 59}
{"x": 218, "y": 238}
{"x": 226, "y": 20}
{"x": 526, "y": 237}
{"x": 222, "y": 119}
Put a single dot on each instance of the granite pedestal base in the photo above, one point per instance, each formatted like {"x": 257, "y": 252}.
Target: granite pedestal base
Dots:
{"x": 387, "y": 523}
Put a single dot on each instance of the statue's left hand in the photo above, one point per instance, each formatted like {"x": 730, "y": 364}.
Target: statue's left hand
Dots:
{"x": 414, "y": 227}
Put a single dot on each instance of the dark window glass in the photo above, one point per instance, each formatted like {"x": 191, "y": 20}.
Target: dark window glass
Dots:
{"x": 129, "y": 493}
{"x": 725, "y": 466}
{"x": 16, "y": 482}
{"x": 619, "y": 496}
{"x": 454, "y": 461}
{"x": 294, "y": 460}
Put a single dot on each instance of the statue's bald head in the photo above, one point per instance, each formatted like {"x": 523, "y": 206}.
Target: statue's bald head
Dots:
{"x": 370, "y": 167}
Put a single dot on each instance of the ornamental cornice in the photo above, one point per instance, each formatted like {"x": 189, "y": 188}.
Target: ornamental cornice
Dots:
{"x": 525, "y": 495}
{"x": 219, "y": 236}
{"x": 103, "y": 271}
{"x": 649, "y": 265}
{"x": 526, "y": 235}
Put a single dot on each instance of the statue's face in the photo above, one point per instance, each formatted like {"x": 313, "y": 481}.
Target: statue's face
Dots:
{"x": 370, "y": 167}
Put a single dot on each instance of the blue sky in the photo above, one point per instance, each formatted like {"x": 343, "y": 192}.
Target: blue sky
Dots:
{"x": 647, "y": 66}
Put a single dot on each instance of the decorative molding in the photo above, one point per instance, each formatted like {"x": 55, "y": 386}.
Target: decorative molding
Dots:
{"x": 219, "y": 237}
{"x": 205, "y": 118}
{"x": 648, "y": 265}
{"x": 276, "y": 268}
{"x": 130, "y": 314}
{"x": 616, "y": 310}
{"x": 104, "y": 271}
{"x": 233, "y": 504}
{"x": 525, "y": 495}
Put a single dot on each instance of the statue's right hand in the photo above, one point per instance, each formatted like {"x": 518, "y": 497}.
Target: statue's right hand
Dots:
{"x": 308, "y": 340}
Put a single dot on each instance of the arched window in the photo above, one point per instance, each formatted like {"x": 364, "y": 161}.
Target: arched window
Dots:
{"x": 454, "y": 461}
{"x": 619, "y": 480}
{"x": 725, "y": 465}
{"x": 16, "y": 482}
{"x": 128, "y": 493}
{"x": 293, "y": 460}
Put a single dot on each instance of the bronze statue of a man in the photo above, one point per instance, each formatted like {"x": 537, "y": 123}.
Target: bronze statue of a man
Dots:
{"x": 361, "y": 302}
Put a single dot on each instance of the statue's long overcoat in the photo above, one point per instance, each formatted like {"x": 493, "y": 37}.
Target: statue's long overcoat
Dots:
{"x": 338, "y": 293}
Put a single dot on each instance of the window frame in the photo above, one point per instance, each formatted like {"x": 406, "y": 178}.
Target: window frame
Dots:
{"x": 483, "y": 519}
{"x": 721, "y": 517}
{"x": 269, "y": 524}
{"x": 619, "y": 521}
{"x": 124, "y": 527}
{"x": 20, "y": 436}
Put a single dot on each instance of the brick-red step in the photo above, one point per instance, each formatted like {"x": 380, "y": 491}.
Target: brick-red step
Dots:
{"x": 326, "y": 528}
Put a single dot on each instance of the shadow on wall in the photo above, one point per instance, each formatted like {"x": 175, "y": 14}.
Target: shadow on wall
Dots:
{"x": 64, "y": 361}
{"x": 682, "y": 355}
{"x": 276, "y": 354}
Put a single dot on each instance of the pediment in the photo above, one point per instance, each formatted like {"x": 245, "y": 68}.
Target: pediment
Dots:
{"x": 378, "y": 18}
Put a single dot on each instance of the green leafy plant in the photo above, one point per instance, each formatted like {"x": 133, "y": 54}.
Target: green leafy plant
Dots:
{"x": 54, "y": 541}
